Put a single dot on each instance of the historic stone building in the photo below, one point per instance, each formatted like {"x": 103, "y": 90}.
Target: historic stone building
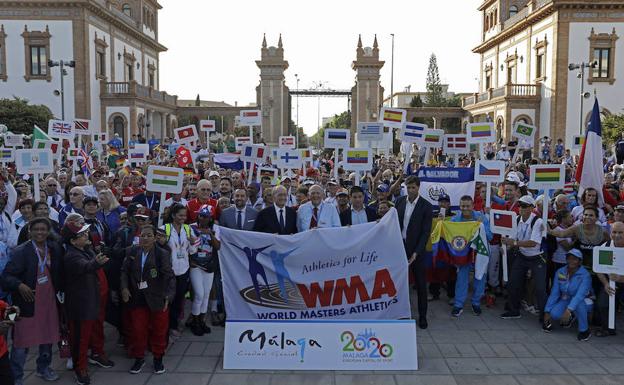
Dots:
{"x": 526, "y": 49}
{"x": 114, "y": 44}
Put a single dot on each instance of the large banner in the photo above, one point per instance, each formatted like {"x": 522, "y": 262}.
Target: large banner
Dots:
{"x": 356, "y": 272}
{"x": 454, "y": 182}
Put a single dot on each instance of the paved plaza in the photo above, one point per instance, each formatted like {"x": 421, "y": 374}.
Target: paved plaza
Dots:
{"x": 470, "y": 350}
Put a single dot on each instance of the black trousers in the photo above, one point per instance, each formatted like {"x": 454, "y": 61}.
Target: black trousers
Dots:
{"x": 177, "y": 305}
{"x": 420, "y": 280}
{"x": 517, "y": 280}
{"x": 6, "y": 375}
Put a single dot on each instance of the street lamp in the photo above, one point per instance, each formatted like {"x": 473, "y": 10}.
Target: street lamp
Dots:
{"x": 318, "y": 85}
{"x": 297, "y": 123}
{"x": 583, "y": 95}
{"x": 62, "y": 64}
{"x": 392, "y": 74}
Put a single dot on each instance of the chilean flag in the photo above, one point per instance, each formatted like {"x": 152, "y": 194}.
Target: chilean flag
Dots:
{"x": 590, "y": 172}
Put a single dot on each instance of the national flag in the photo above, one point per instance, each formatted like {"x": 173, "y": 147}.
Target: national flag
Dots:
{"x": 113, "y": 151}
{"x": 430, "y": 138}
{"x": 481, "y": 131}
{"x": 165, "y": 177}
{"x": 189, "y": 172}
{"x": 39, "y": 134}
{"x": 52, "y": 145}
{"x": 357, "y": 157}
{"x": 84, "y": 161}
{"x": 488, "y": 171}
{"x": 451, "y": 242}
{"x": 479, "y": 244}
{"x": 248, "y": 151}
{"x": 606, "y": 257}
{"x": 337, "y": 135}
{"x": 547, "y": 174}
{"x": 503, "y": 220}
{"x": 72, "y": 153}
{"x": 119, "y": 162}
{"x": 60, "y": 128}
{"x": 228, "y": 160}
{"x": 371, "y": 129}
{"x": 456, "y": 142}
{"x": 579, "y": 140}
{"x": 393, "y": 116}
{"x": 413, "y": 130}
{"x": 137, "y": 155}
{"x": 568, "y": 188}
{"x": 82, "y": 126}
{"x": 185, "y": 132}
{"x": 260, "y": 152}
{"x": 124, "y": 171}
{"x": 523, "y": 129}
{"x": 305, "y": 153}
{"x": 250, "y": 114}
{"x": 183, "y": 156}
{"x": 208, "y": 126}
{"x": 6, "y": 153}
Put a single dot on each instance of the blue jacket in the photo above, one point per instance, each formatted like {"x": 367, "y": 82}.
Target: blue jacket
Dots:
{"x": 476, "y": 216}
{"x": 574, "y": 288}
{"x": 111, "y": 219}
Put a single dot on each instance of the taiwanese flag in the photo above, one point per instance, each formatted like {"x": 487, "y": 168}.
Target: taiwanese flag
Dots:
{"x": 183, "y": 156}
{"x": 503, "y": 220}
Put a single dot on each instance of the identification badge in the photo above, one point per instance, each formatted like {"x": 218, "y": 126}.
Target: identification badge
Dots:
{"x": 181, "y": 254}
{"x": 135, "y": 241}
{"x": 142, "y": 285}
{"x": 153, "y": 273}
{"x": 42, "y": 280}
{"x": 202, "y": 254}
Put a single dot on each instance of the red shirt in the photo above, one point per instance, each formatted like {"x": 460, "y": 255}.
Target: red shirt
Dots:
{"x": 194, "y": 205}
{"x": 126, "y": 196}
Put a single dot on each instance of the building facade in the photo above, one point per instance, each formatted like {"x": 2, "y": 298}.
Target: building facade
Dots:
{"x": 114, "y": 45}
{"x": 526, "y": 49}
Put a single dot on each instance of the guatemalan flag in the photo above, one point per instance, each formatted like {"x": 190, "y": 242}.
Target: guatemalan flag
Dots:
{"x": 589, "y": 172}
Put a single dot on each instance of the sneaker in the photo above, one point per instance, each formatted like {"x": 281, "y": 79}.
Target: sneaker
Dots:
{"x": 159, "y": 368}
{"x": 139, "y": 363}
{"x": 82, "y": 378}
{"x": 101, "y": 360}
{"x": 547, "y": 326}
{"x": 476, "y": 310}
{"x": 584, "y": 336}
{"x": 457, "y": 311}
{"x": 196, "y": 328}
{"x": 48, "y": 374}
{"x": 510, "y": 315}
{"x": 532, "y": 309}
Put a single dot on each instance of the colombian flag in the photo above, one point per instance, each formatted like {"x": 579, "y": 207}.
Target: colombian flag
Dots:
{"x": 547, "y": 175}
{"x": 357, "y": 157}
{"x": 450, "y": 242}
{"x": 393, "y": 116}
{"x": 481, "y": 131}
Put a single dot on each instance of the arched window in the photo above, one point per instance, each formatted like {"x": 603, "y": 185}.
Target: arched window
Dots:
{"x": 126, "y": 9}
{"x": 513, "y": 10}
{"x": 119, "y": 127}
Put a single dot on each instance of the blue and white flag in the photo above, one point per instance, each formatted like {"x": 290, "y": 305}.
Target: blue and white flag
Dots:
{"x": 360, "y": 272}
{"x": 228, "y": 160}
{"x": 454, "y": 182}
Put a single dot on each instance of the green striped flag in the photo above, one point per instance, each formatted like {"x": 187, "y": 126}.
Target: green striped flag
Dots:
{"x": 165, "y": 178}
{"x": 39, "y": 134}
{"x": 605, "y": 257}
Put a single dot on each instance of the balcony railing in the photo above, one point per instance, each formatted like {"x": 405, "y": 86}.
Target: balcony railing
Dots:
{"x": 134, "y": 90}
{"x": 510, "y": 91}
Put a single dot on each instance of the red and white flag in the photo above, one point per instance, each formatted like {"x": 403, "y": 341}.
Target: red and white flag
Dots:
{"x": 590, "y": 171}
{"x": 183, "y": 156}
{"x": 82, "y": 126}
{"x": 186, "y": 134}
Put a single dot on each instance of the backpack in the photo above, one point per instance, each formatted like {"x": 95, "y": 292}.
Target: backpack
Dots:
{"x": 186, "y": 228}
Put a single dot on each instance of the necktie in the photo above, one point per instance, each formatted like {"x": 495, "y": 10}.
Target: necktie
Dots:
{"x": 281, "y": 220}
{"x": 239, "y": 220}
{"x": 314, "y": 220}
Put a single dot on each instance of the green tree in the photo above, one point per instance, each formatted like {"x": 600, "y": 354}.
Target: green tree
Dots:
{"x": 434, "y": 97}
{"x": 416, "y": 101}
{"x": 342, "y": 120}
{"x": 612, "y": 128}
{"x": 20, "y": 117}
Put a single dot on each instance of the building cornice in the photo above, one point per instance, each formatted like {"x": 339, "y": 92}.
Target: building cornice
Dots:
{"x": 486, "y": 4}
{"x": 93, "y": 7}
{"x": 544, "y": 12}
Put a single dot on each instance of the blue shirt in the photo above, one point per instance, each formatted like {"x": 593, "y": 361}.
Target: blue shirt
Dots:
{"x": 358, "y": 217}
{"x": 116, "y": 143}
{"x": 476, "y": 216}
{"x": 327, "y": 216}
{"x": 575, "y": 288}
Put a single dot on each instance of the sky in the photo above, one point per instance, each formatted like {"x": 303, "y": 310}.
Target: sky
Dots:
{"x": 213, "y": 46}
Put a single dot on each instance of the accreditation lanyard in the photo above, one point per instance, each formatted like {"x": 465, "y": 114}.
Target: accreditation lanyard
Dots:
{"x": 150, "y": 203}
{"x": 144, "y": 256}
{"x": 178, "y": 245}
{"x": 42, "y": 261}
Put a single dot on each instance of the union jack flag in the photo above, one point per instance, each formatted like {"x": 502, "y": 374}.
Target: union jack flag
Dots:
{"x": 84, "y": 161}
{"x": 62, "y": 128}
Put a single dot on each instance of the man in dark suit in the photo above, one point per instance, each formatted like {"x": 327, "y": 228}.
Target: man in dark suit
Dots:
{"x": 415, "y": 216}
{"x": 240, "y": 216}
{"x": 357, "y": 213}
{"x": 277, "y": 218}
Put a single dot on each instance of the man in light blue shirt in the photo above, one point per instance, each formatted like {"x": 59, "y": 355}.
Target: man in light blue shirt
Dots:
{"x": 316, "y": 213}
{"x": 467, "y": 214}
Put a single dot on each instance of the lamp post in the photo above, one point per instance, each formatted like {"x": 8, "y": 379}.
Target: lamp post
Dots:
{"x": 392, "y": 74}
{"x": 318, "y": 85}
{"x": 297, "y": 122}
{"x": 62, "y": 64}
{"x": 583, "y": 95}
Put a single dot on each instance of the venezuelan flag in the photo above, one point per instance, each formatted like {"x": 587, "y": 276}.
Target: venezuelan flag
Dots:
{"x": 547, "y": 174}
{"x": 452, "y": 244}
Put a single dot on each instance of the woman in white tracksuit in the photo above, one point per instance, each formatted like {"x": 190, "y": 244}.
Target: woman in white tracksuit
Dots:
{"x": 203, "y": 265}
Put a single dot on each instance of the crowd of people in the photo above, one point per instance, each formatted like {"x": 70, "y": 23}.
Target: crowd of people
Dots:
{"x": 87, "y": 250}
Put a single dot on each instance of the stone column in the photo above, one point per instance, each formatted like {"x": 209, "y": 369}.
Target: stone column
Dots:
{"x": 163, "y": 125}
{"x": 132, "y": 129}
{"x": 437, "y": 122}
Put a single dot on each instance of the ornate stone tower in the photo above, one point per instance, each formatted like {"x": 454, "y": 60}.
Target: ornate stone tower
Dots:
{"x": 367, "y": 94}
{"x": 272, "y": 95}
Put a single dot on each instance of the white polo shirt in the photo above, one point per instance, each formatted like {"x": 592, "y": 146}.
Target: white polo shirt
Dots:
{"x": 525, "y": 233}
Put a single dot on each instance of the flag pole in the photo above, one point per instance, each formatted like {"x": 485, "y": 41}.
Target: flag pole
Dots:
{"x": 488, "y": 193}
{"x": 545, "y": 211}
{"x": 612, "y": 305}
{"x": 36, "y": 193}
{"x": 161, "y": 209}
{"x": 505, "y": 267}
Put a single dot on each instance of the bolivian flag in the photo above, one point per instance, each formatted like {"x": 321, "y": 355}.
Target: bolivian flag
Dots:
{"x": 547, "y": 174}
